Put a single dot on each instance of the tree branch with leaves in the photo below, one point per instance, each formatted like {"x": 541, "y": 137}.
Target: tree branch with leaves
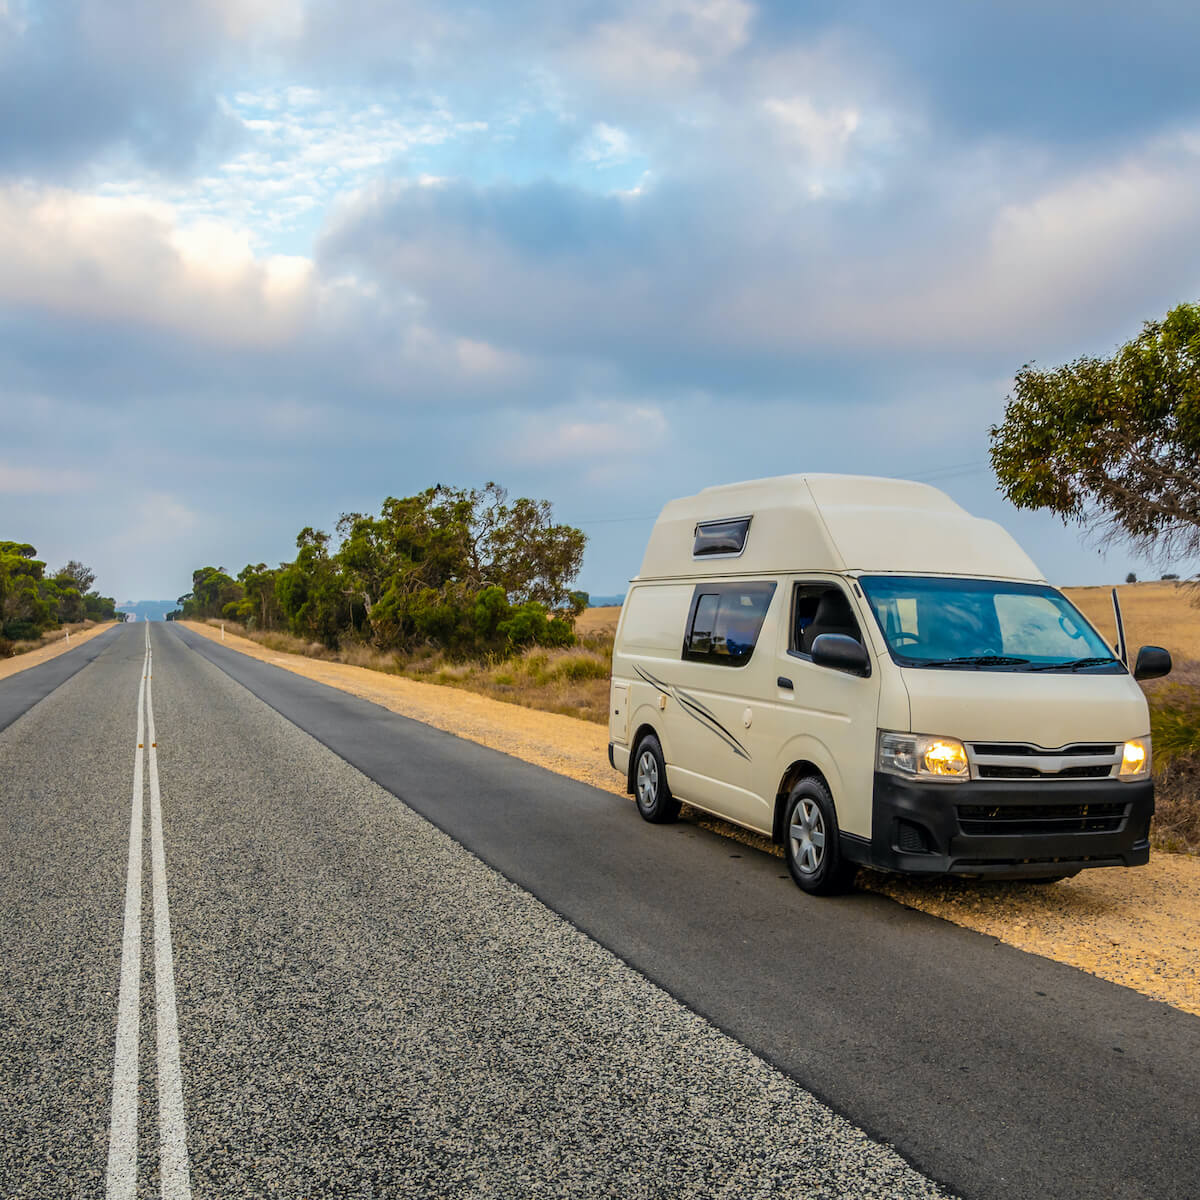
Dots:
{"x": 1113, "y": 443}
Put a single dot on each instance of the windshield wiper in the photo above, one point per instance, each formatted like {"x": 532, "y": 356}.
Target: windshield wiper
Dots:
{"x": 1076, "y": 664}
{"x": 976, "y": 660}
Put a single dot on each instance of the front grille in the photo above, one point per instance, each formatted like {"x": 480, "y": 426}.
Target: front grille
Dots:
{"x": 1015, "y": 760}
{"x": 994, "y": 772}
{"x": 1014, "y": 820}
{"x": 1006, "y": 749}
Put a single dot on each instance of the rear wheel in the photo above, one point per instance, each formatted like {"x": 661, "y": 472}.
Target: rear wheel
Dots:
{"x": 810, "y": 840}
{"x": 654, "y": 799}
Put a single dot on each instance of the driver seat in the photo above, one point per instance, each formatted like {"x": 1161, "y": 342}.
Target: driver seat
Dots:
{"x": 834, "y": 615}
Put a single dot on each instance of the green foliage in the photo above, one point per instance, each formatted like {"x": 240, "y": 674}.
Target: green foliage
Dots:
{"x": 311, "y": 593}
{"x": 1175, "y": 725}
{"x": 1113, "y": 443}
{"x": 30, "y": 603}
{"x": 212, "y": 590}
{"x": 464, "y": 571}
{"x": 1175, "y": 734}
{"x": 258, "y": 607}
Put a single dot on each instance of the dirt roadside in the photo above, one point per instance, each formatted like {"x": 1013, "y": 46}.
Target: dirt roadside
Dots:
{"x": 22, "y": 662}
{"x": 1138, "y": 928}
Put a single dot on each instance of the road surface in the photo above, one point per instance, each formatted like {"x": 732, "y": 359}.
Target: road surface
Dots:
{"x": 260, "y": 937}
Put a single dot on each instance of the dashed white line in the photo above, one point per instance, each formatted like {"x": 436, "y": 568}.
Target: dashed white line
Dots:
{"x": 174, "y": 1173}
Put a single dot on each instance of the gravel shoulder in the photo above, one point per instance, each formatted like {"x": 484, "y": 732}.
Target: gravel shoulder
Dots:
{"x": 1139, "y": 928}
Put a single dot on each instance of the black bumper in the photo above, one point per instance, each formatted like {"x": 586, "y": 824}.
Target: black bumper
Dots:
{"x": 1004, "y": 830}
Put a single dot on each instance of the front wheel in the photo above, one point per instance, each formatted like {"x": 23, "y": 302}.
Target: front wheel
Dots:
{"x": 810, "y": 840}
{"x": 654, "y": 799}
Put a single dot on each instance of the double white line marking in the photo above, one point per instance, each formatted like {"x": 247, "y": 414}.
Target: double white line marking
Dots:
{"x": 121, "y": 1183}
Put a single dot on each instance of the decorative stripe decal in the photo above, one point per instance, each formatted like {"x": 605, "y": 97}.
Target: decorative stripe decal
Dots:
{"x": 697, "y": 711}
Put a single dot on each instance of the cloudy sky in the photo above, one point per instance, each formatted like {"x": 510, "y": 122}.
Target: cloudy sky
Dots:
{"x": 265, "y": 262}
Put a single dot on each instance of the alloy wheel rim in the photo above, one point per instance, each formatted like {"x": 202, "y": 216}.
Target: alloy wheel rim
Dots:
{"x": 647, "y": 779}
{"x": 806, "y": 835}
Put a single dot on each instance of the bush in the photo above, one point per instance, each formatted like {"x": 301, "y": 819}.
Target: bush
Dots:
{"x": 1175, "y": 734}
{"x": 19, "y": 630}
{"x": 577, "y": 667}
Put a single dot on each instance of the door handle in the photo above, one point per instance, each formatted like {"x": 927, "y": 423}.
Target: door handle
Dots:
{"x": 784, "y": 682}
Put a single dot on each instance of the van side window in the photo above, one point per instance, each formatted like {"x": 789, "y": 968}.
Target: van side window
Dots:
{"x": 721, "y": 537}
{"x": 819, "y": 608}
{"x": 725, "y": 620}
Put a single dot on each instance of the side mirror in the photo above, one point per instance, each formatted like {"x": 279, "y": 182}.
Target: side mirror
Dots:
{"x": 842, "y": 653}
{"x": 1153, "y": 662}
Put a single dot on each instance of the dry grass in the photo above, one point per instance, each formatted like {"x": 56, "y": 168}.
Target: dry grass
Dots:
{"x": 1156, "y": 614}
{"x": 47, "y": 639}
{"x": 572, "y": 681}
{"x": 1163, "y": 614}
{"x": 598, "y": 623}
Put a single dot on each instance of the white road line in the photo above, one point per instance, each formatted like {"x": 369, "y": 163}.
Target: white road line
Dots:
{"x": 121, "y": 1182}
{"x": 174, "y": 1175}
{"x": 172, "y": 1134}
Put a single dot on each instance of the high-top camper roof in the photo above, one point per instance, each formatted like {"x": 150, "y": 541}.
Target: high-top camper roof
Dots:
{"x": 834, "y": 523}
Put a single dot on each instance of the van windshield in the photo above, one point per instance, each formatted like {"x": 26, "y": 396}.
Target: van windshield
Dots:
{"x": 984, "y": 624}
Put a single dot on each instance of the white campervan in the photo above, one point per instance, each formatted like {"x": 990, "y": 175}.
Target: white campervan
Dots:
{"x": 866, "y": 673}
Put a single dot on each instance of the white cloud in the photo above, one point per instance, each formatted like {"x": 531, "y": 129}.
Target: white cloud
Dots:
{"x": 305, "y": 147}
{"x": 606, "y": 146}
{"x": 1074, "y": 256}
{"x": 823, "y": 134}
{"x": 128, "y": 259}
{"x": 481, "y": 359}
{"x": 151, "y": 519}
{"x": 42, "y": 481}
{"x": 660, "y": 42}
{"x": 589, "y": 434}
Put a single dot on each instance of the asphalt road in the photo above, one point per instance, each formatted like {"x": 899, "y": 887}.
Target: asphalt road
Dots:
{"x": 556, "y": 999}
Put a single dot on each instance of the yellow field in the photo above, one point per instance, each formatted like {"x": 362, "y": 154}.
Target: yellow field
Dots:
{"x": 598, "y": 622}
{"x": 1156, "y": 614}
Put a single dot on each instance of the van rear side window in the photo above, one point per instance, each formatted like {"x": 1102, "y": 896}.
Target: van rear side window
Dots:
{"x": 725, "y": 621}
{"x": 720, "y": 537}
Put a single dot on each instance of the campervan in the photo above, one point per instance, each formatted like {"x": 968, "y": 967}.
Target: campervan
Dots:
{"x": 867, "y": 674}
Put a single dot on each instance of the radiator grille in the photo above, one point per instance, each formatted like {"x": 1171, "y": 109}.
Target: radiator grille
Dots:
{"x": 1012, "y": 760}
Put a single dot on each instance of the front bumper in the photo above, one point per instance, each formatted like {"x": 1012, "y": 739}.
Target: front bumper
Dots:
{"x": 1004, "y": 830}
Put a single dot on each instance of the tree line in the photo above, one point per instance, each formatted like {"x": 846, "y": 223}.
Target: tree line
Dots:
{"x": 32, "y": 602}
{"x": 466, "y": 571}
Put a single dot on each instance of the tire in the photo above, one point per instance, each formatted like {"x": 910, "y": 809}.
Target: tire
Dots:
{"x": 810, "y": 840}
{"x": 650, "y": 789}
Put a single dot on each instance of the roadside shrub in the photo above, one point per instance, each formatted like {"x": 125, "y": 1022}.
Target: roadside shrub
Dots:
{"x": 18, "y": 630}
{"x": 576, "y": 667}
{"x": 1175, "y": 733}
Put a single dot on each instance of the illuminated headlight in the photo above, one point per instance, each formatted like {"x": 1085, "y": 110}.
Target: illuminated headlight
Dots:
{"x": 1135, "y": 759}
{"x": 919, "y": 754}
